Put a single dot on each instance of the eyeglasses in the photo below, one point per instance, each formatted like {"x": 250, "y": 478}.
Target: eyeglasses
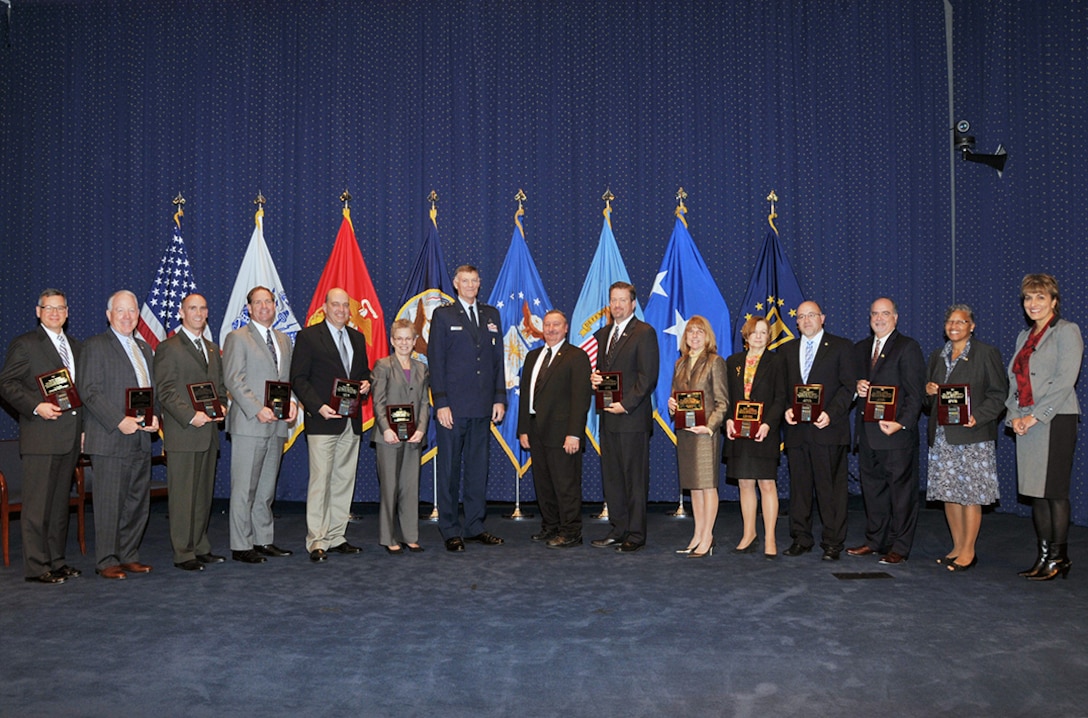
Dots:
{"x": 810, "y": 315}
{"x": 957, "y": 322}
{"x": 53, "y": 308}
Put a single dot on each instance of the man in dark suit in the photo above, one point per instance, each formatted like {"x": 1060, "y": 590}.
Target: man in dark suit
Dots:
{"x": 48, "y": 438}
{"x": 816, "y": 449}
{"x": 627, "y": 346}
{"x": 468, "y": 384}
{"x": 325, "y": 352}
{"x": 252, "y": 356}
{"x": 888, "y": 449}
{"x": 119, "y": 446}
{"x": 554, "y": 397}
{"x": 190, "y": 435}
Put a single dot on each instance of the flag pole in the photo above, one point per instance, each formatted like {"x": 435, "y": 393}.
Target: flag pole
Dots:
{"x": 433, "y": 199}
{"x": 345, "y": 197}
{"x": 517, "y": 514}
{"x": 680, "y": 512}
{"x": 607, "y": 197}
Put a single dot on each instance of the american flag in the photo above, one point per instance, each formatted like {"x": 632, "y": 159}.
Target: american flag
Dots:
{"x": 159, "y": 316}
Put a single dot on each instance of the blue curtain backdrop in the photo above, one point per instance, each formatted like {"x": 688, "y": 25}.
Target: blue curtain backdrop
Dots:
{"x": 108, "y": 109}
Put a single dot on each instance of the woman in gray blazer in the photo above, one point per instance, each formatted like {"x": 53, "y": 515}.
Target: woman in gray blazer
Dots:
{"x": 963, "y": 454}
{"x": 398, "y": 380}
{"x": 1043, "y": 413}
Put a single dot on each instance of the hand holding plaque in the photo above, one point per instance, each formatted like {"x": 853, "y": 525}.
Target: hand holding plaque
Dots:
{"x": 140, "y": 404}
{"x": 747, "y": 416}
{"x": 953, "y": 404}
{"x": 206, "y": 399}
{"x": 610, "y": 390}
{"x": 57, "y": 388}
{"x": 402, "y": 419}
{"x": 881, "y": 403}
{"x": 347, "y": 397}
{"x": 277, "y": 395}
{"x": 690, "y": 411}
{"x": 808, "y": 402}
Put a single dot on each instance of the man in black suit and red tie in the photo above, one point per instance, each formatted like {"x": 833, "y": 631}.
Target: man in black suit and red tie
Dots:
{"x": 627, "y": 346}
{"x": 49, "y": 438}
{"x": 888, "y": 449}
{"x": 553, "y": 401}
{"x": 325, "y": 352}
{"x": 816, "y": 449}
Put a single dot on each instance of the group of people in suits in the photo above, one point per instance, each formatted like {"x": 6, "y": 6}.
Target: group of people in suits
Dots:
{"x": 465, "y": 376}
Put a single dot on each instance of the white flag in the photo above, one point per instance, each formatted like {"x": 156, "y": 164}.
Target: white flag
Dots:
{"x": 258, "y": 269}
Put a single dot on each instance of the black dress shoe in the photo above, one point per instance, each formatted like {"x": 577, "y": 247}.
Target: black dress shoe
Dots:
{"x": 318, "y": 555}
{"x": 272, "y": 550}
{"x": 248, "y": 556}
{"x": 455, "y": 544}
{"x": 629, "y": 547}
{"x": 796, "y": 549}
{"x": 345, "y": 548}
{"x": 486, "y": 539}
{"x": 47, "y": 577}
{"x": 66, "y": 571}
{"x": 415, "y": 549}
{"x": 395, "y": 550}
{"x": 210, "y": 558}
{"x": 190, "y": 565}
{"x": 564, "y": 541}
{"x": 605, "y": 542}
{"x": 544, "y": 535}
{"x": 831, "y": 554}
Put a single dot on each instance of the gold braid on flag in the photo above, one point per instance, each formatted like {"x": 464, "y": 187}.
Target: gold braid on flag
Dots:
{"x": 772, "y": 198}
{"x": 260, "y": 201}
{"x": 179, "y": 202}
{"x": 608, "y": 197}
{"x": 433, "y": 198}
{"x": 681, "y": 210}
{"x": 520, "y": 197}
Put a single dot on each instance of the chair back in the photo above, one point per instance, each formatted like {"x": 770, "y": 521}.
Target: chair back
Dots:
{"x": 11, "y": 466}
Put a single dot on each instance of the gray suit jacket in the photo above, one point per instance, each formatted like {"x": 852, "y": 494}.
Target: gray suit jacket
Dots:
{"x": 388, "y": 386}
{"x": 247, "y": 365}
{"x": 1055, "y": 366}
{"x": 29, "y": 356}
{"x": 104, "y": 372}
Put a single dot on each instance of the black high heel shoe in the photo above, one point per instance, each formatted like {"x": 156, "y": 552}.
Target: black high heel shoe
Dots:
{"x": 1040, "y": 561}
{"x": 1057, "y": 562}
{"x": 750, "y": 548}
{"x": 957, "y": 567}
{"x": 946, "y": 560}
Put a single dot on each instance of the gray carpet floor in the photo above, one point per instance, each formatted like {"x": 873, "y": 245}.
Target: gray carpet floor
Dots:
{"x": 521, "y": 630}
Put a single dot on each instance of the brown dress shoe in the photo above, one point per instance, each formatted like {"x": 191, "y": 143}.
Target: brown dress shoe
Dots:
{"x": 136, "y": 567}
{"x": 893, "y": 558}
{"x": 114, "y": 572}
{"x": 862, "y": 550}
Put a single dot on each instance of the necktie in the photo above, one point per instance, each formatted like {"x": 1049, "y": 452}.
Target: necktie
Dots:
{"x": 612, "y": 341}
{"x": 272, "y": 348}
{"x": 475, "y": 319}
{"x": 200, "y": 349}
{"x": 547, "y": 360}
{"x": 344, "y": 354}
{"x": 876, "y": 353}
{"x": 138, "y": 362}
{"x": 62, "y": 349}
{"x": 540, "y": 374}
{"x": 809, "y": 352}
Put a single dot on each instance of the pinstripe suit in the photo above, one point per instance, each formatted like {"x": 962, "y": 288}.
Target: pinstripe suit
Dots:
{"x": 122, "y": 463}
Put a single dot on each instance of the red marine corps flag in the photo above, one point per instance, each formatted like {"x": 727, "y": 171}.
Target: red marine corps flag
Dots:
{"x": 347, "y": 270}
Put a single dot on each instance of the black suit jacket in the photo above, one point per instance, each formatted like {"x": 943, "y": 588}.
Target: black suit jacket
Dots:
{"x": 902, "y": 365}
{"x": 562, "y": 396}
{"x": 29, "y": 356}
{"x": 833, "y": 367}
{"x": 983, "y": 371}
{"x": 768, "y": 386}
{"x": 636, "y": 358}
{"x": 315, "y": 365}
